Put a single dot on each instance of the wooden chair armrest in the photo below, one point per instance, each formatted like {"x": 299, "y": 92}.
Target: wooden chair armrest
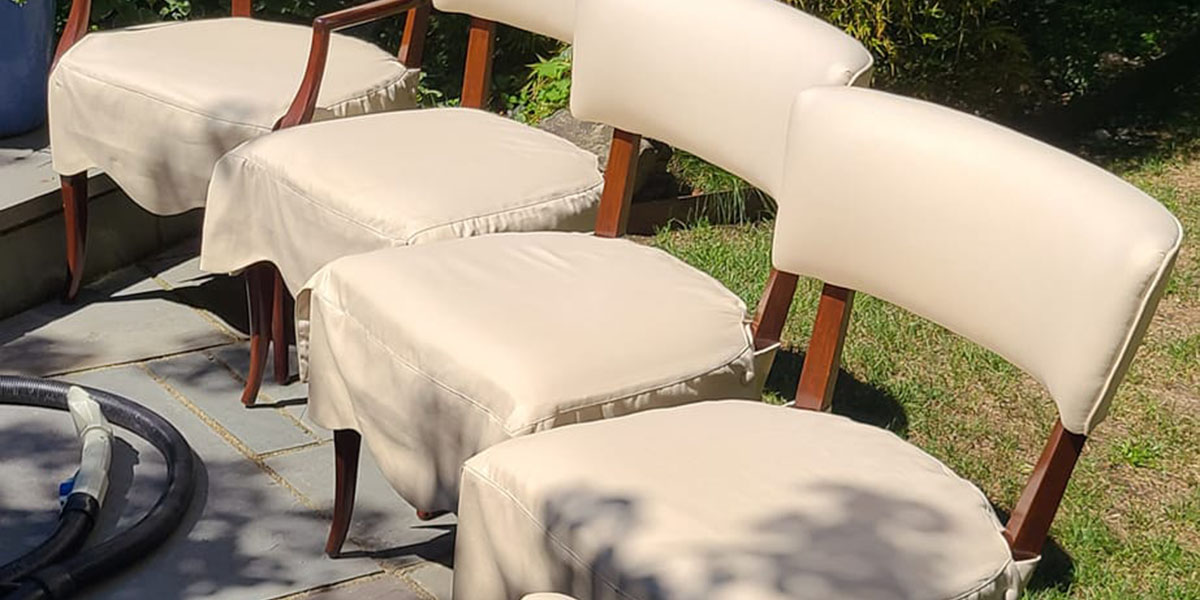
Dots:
{"x": 305, "y": 103}
{"x": 77, "y": 25}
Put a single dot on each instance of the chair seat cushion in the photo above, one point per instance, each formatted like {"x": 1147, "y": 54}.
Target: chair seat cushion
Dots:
{"x": 156, "y": 106}
{"x": 725, "y": 500}
{"x": 435, "y": 352}
{"x": 303, "y": 197}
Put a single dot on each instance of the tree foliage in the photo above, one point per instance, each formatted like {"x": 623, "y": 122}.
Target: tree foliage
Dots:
{"x": 1008, "y": 58}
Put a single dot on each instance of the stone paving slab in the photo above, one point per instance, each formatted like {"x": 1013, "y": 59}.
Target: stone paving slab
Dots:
{"x": 208, "y": 384}
{"x": 384, "y": 526}
{"x": 378, "y": 587}
{"x": 292, "y": 394}
{"x": 247, "y": 535}
{"x": 291, "y": 397}
{"x": 122, "y": 318}
{"x": 159, "y": 334}
{"x": 434, "y": 578}
{"x": 219, "y": 297}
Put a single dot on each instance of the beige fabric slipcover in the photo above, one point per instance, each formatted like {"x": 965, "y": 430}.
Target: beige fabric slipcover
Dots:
{"x": 1046, "y": 259}
{"x": 725, "y": 500}
{"x": 555, "y": 18}
{"x": 156, "y": 106}
{"x": 303, "y": 197}
{"x": 435, "y": 352}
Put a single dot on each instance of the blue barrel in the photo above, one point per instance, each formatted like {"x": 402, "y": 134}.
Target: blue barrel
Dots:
{"x": 26, "y": 35}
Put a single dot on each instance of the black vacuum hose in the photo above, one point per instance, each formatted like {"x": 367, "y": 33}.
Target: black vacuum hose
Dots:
{"x": 78, "y": 518}
{"x": 65, "y": 578}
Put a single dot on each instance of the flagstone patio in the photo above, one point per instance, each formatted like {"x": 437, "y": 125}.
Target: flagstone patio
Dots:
{"x": 165, "y": 334}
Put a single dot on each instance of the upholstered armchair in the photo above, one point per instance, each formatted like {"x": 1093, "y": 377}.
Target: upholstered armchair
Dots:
{"x": 433, "y": 352}
{"x": 155, "y": 106}
{"x": 1035, "y": 254}
{"x": 283, "y": 206}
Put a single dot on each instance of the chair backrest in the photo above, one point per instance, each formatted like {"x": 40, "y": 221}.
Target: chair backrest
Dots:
{"x": 553, "y": 18}
{"x": 1048, "y": 260}
{"x": 714, "y": 77}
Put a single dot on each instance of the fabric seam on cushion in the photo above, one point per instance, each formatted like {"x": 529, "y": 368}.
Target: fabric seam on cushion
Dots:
{"x": 648, "y": 390}
{"x": 327, "y": 107}
{"x": 984, "y": 584}
{"x": 566, "y": 196}
{"x": 1168, "y": 260}
{"x": 683, "y": 266}
{"x": 467, "y": 468}
{"x": 985, "y": 505}
{"x": 859, "y": 73}
{"x": 286, "y": 182}
{"x": 364, "y": 94}
{"x": 158, "y": 100}
{"x": 516, "y": 431}
{"x": 370, "y": 336}
{"x": 405, "y": 240}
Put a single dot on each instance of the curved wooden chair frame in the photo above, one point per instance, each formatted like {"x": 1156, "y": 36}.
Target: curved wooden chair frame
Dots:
{"x": 1029, "y": 523}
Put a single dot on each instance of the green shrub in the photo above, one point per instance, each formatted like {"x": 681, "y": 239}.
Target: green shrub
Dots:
{"x": 546, "y": 89}
{"x": 1007, "y": 58}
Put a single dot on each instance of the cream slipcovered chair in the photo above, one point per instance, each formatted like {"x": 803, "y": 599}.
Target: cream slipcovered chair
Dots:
{"x": 155, "y": 106}
{"x": 438, "y": 351}
{"x": 298, "y": 199}
{"x": 1045, "y": 259}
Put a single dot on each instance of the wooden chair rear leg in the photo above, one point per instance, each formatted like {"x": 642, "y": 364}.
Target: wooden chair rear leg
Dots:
{"x": 258, "y": 285}
{"x": 279, "y": 330}
{"x": 346, "y": 445}
{"x": 75, "y": 211}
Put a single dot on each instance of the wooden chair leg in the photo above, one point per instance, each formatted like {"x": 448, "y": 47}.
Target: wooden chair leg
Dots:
{"x": 258, "y": 287}
{"x": 279, "y": 338}
{"x": 74, "y": 198}
{"x": 346, "y": 444}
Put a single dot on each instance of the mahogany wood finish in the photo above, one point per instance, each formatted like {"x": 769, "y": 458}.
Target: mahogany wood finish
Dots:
{"x": 240, "y": 8}
{"x": 412, "y": 45}
{"x": 279, "y": 335}
{"x": 259, "y": 279}
{"x": 773, "y": 308}
{"x": 477, "y": 76}
{"x": 346, "y": 445}
{"x": 75, "y": 214}
{"x": 78, "y": 21}
{"x": 612, "y": 217}
{"x": 1030, "y": 520}
{"x": 305, "y": 102}
{"x": 824, "y": 356}
{"x": 74, "y": 187}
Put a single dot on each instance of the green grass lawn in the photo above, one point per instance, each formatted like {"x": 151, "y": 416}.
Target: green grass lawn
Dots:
{"x": 1130, "y": 523}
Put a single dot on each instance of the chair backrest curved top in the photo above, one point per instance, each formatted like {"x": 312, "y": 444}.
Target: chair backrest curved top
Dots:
{"x": 713, "y": 77}
{"x": 554, "y": 18}
{"x": 1040, "y": 256}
